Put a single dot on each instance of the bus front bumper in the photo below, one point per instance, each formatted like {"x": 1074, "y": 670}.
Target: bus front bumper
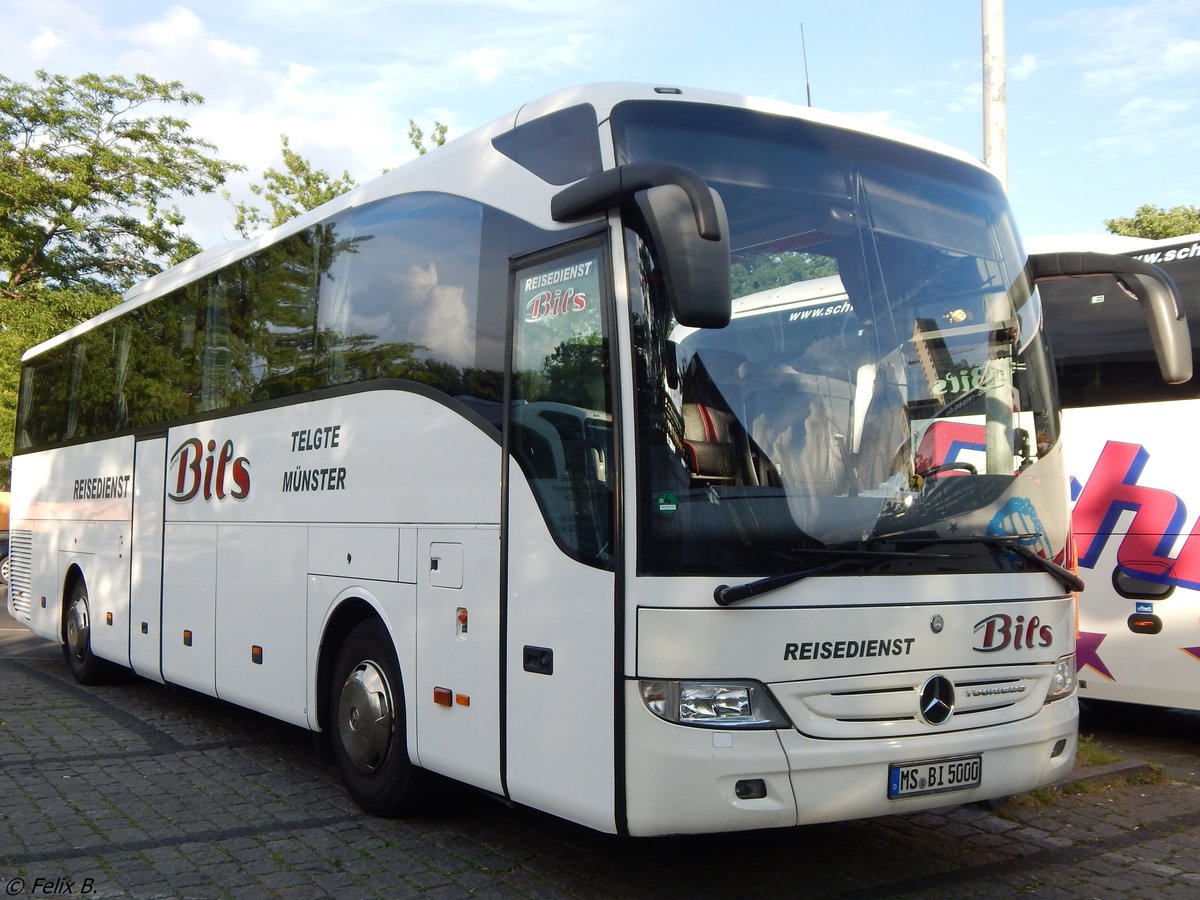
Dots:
{"x": 696, "y": 780}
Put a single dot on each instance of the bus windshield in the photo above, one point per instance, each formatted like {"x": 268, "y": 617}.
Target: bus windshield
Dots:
{"x": 883, "y": 376}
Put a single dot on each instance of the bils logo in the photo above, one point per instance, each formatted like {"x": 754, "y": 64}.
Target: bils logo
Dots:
{"x": 1000, "y": 631}
{"x": 550, "y": 304}
{"x": 203, "y": 469}
{"x": 978, "y": 378}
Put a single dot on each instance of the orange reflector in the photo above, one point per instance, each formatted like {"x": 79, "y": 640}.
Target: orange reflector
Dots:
{"x": 443, "y": 696}
{"x": 108, "y": 618}
{"x": 1145, "y": 623}
{"x": 256, "y": 654}
{"x": 187, "y": 637}
{"x": 462, "y": 699}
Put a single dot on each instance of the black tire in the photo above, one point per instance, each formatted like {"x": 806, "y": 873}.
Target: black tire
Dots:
{"x": 77, "y": 644}
{"x": 366, "y": 726}
{"x": 4, "y": 568}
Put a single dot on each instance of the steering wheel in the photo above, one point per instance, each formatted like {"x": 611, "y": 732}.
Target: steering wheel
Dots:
{"x": 948, "y": 467}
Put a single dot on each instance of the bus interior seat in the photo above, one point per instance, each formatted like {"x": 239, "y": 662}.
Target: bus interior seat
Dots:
{"x": 802, "y": 440}
{"x": 537, "y": 447}
{"x": 715, "y": 442}
{"x": 708, "y": 437}
{"x": 881, "y": 439}
{"x": 799, "y": 423}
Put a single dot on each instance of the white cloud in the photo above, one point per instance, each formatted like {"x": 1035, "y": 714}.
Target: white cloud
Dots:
{"x": 178, "y": 45}
{"x": 441, "y": 319}
{"x": 969, "y": 98}
{"x": 561, "y": 54}
{"x": 1182, "y": 57}
{"x": 1128, "y": 48}
{"x": 1025, "y": 66}
{"x": 44, "y": 44}
{"x": 1147, "y": 111}
{"x": 485, "y": 63}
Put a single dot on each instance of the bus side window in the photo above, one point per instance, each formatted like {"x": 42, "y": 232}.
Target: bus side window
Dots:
{"x": 1101, "y": 346}
{"x": 400, "y": 295}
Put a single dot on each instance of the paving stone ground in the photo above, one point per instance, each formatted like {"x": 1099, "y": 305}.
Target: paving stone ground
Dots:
{"x": 141, "y": 790}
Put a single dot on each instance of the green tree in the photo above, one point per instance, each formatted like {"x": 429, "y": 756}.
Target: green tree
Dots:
{"x": 1156, "y": 223}
{"x": 574, "y": 372}
{"x": 300, "y": 187}
{"x": 296, "y": 189}
{"x": 762, "y": 273}
{"x": 416, "y": 136}
{"x": 88, "y": 170}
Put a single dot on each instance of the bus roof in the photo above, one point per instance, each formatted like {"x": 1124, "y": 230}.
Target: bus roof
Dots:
{"x": 1104, "y": 243}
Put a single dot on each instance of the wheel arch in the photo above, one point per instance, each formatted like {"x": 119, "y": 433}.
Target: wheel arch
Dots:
{"x": 348, "y": 613}
{"x": 73, "y": 576}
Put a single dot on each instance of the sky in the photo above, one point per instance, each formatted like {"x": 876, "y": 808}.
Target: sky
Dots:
{"x": 1103, "y": 99}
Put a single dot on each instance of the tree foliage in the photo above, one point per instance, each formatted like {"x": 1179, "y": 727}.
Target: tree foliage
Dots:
{"x": 88, "y": 170}
{"x": 416, "y": 136}
{"x": 762, "y": 273}
{"x": 297, "y": 188}
{"x": 1156, "y": 223}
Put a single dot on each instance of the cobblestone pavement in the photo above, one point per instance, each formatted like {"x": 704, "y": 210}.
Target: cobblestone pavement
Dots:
{"x": 140, "y": 790}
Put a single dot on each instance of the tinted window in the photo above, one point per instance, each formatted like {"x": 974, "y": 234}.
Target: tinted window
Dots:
{"x": 412, "y": 288}
{"x": 559, "y": 148}
{"x": 162, "y": 380}
{"x": 401, "y": 297}
{"x": 561, "y": 430}
{"x": 258, "y": 331}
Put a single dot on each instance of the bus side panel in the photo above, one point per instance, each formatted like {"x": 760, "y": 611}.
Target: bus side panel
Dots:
{"x": 189, "y": 606}
{"x": 1135, "y": 511}
{"x": 396, "y": 604}
{"x": 261, "y": 635}
{"x": 146, "y": 570}
{"x": 106, "y": 571}
{"x": 458, "y": 649}
{"x": 75, "y": 502}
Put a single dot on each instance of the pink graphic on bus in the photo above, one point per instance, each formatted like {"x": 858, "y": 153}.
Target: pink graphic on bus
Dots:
{"x": 1112, "y": 489}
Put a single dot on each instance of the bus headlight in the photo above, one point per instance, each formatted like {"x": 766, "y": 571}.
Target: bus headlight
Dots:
{"x": 1062, "y": 683}
{"x": 713, "y": 704}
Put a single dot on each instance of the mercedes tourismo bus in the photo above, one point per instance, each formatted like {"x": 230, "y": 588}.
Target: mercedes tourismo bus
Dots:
{"x": 469, "y": 472}
{"x": 1129, "y": 456}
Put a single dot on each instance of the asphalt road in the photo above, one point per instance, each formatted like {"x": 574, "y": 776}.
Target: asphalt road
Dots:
{"x": 141, "y": 790}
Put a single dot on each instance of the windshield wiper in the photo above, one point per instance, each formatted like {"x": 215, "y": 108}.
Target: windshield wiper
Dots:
{"x": 1065, "y": 576}
{"x": 726, "y": 594}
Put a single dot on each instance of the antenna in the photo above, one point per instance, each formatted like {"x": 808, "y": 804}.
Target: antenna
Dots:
{"x": 804, "y": 54}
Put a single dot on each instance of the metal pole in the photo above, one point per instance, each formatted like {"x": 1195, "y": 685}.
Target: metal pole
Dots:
{"x": 995, "y": 93}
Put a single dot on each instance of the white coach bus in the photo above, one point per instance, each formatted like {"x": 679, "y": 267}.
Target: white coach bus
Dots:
{"x": 468, "y": 472}
{"x": 1129, "y": 453}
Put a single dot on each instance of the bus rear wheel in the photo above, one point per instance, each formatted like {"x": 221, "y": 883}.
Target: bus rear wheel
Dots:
{"x": 366, "y": 719}
{"x": 77, "y": 646}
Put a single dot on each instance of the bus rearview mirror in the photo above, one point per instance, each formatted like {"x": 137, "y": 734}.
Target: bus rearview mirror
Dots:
{"x": 695, "y": 269}
{"x": 687, "y": 226}
{"x": 1153, "y": 288}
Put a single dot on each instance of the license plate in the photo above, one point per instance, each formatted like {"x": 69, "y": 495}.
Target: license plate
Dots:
{"x": 934, "y": 777}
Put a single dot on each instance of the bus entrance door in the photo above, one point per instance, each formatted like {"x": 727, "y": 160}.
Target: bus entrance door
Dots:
{"x": 146, "y": 565}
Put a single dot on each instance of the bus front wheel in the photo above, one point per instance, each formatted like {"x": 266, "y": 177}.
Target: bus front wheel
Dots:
{"x": 77, "y": 646}
{"x": 366, "y": 719}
